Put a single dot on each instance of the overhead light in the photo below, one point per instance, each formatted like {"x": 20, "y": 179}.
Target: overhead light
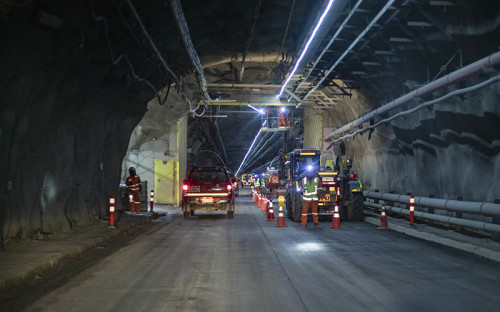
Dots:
{"x": 283, "y": 109}
{"x": 256, "y": 109}
{"x": 248, "y": 152}
{"x": 330, "y": 2}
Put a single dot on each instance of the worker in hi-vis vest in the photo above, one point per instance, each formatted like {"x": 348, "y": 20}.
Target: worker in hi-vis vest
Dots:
{"x": 310, "y": 186}
{"x": 256, "y": 183}
{"x": 134, "y": 186}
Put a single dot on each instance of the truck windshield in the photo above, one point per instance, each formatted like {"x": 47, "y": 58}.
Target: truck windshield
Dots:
{"x": 304, "y": 162}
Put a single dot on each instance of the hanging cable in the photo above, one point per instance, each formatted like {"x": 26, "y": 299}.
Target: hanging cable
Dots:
{"x": 282, "y": 42}
{"x": 186, "y": 38}
{"x": 162, "y": 60}
{"x": 250, "y": 38}
{"x": 117, "y": 60}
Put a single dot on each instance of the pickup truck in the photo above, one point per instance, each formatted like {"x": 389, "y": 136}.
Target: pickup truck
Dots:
{"x": 208, "y": 189}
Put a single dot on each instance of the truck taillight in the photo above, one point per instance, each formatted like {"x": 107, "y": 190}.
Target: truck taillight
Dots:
{"x": 229, "y": 187}
{"x": 185, "y": 187}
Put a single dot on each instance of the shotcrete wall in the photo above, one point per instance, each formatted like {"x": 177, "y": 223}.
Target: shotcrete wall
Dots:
{"x": 449, "y": 150}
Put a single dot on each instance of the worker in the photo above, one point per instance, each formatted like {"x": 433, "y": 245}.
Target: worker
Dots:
{"x": 134, "y": 186}
{"x": 281, "y": 117}
{"x": 310, "y": 185}
{"x": 256, "y": 183}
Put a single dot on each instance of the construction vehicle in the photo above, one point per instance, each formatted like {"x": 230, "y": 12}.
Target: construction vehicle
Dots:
{"x": 342, "y": 188}
{"x": 246, "y": 179}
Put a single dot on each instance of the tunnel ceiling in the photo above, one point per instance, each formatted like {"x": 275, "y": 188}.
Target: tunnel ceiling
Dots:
{"x": 380, "y": 48}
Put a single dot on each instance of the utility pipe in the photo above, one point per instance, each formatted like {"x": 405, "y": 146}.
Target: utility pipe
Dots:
{"x": 454, "y": 77}
{"x": 483, "y": 208}
{"x": 484, "y": 226}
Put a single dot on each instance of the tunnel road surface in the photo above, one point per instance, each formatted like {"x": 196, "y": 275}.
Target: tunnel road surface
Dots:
{"x": 210, "y": 263}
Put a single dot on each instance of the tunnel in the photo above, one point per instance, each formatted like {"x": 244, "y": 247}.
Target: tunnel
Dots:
{"x": 399, "y": 100}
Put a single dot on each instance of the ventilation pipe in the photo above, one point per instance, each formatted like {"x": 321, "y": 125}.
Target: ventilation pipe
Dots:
{"x": 454, "y": 77}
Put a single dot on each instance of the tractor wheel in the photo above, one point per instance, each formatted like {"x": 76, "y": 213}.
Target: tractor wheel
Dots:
{"x": 288, "y": 206}
{"x": 297, "y": 207}
{"x": 355, "y": 208}
{"x": 191, "y": 213}
{"x": 230, "y": 214}
{"x": 186, "y": 214}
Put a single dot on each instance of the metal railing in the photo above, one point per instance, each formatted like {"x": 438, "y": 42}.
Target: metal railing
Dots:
{"x": 480, "y": 208}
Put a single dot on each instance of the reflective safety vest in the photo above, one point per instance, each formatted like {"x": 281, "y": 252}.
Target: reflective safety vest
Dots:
{"x": 310, "y": 189}
{"x": 134, "y": 183}
{"x": 256, "y": 182}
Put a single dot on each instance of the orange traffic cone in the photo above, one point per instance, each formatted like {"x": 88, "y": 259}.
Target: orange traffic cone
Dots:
{"x": 281, "y": 216}
{"x": 264, "y": 204}
{"x": 383, "y": 219}
{"x": 270, "y": 212}
{"x": 336, "y": 218}
{"x": 259, "y": 201}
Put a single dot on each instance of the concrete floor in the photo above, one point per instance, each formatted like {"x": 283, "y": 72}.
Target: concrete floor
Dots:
{"x": 211, "y": 263}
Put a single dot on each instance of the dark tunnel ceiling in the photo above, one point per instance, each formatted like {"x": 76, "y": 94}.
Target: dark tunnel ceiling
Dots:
{"x": 413, "y": 42}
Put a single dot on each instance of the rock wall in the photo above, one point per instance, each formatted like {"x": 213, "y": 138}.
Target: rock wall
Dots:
{"x": 449, "y": 150}
{"x": 66, "y": 115}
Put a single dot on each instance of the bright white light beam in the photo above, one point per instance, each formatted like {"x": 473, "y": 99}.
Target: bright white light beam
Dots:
{"x": 248, "y": 152}
{"x": 259, "y": 110}
{"x": 330, "y": 2}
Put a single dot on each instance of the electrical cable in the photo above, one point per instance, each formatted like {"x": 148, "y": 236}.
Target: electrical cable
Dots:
{"x": 162, "y": 60}
{"x": 419, "y": 107}
{"x": 250, "y": 38}
{"x": 117, "y": 60}
{"x": 186, "y": 38}
{"x": 273, "y": 65}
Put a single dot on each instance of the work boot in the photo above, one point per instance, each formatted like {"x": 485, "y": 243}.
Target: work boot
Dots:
{"x": 303, "y": 227}
{"x": 317, "y": 225}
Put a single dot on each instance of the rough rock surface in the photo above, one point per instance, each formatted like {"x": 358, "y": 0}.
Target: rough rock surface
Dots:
{"x": 66, "y": 116}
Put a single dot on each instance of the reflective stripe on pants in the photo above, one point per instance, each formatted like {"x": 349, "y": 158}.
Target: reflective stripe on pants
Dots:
{"x": 313, "y": 204}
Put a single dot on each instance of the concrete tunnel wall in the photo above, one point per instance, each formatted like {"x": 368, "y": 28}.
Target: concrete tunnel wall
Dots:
{"x": 66, "y": 117}
{"x": 449, "y": 150}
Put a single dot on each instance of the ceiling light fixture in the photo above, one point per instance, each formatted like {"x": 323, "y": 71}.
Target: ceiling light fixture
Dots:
{"x": 330, "y": 2}
{"x": 254, "y": 108}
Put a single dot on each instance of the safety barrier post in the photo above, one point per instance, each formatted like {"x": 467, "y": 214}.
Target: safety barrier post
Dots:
{"x": 111, "y": 212}
{"x": 412, "y": 208}
{"x": 152, "y": 200}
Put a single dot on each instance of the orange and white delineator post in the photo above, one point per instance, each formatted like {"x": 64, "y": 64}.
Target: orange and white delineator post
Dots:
{"x": 281, "y": 216}
{"x": 151, "y": 200}
{"x": 383, "y": 219}
{"x": 336, "y": 218}
{"x": 412, "y": 208}
{"x": 111, "y": 212}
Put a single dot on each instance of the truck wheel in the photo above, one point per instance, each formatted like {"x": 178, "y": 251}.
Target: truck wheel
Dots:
{"x": 355, "y": 208}
{"x": 297, "y": 209}
{"x": 288, "y": 206}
